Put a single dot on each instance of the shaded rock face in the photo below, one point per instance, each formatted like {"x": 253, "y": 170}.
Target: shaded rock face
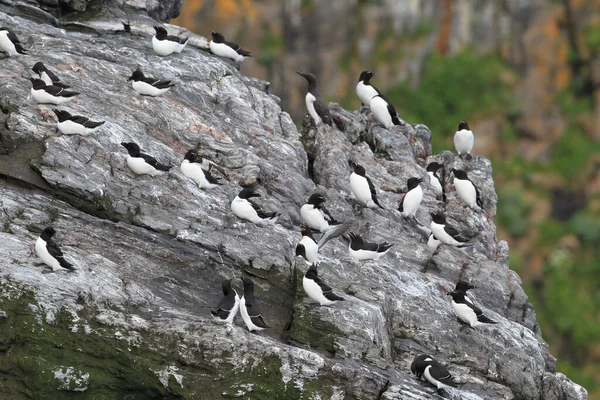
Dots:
{"x": 151, "y": 252}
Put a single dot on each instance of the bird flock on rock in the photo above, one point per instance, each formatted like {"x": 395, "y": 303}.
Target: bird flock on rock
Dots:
{"x": 47, "y": 88}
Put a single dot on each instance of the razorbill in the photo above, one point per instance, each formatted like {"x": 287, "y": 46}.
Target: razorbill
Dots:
{"x": 444, "y": 232}
{"x": 315, "y": 215}
{"x": 307, "y": 247}
{"x": 317, "y": 109}
{"x": 433, "y": 243}
{"x": 141, "y": 163}
{"x": 434, "y": 179}
{"x": 438, "y": 375}
{"x": 364, "y": 89}
{"x": 165, "y": 44}
{"x": 412, "y": 199}
{"x": 362, "y": 250}
{"x": 244, "y": 208}
{"x": 229, "y": 304}
{"x": 50, "y": 253}
{"x": 384, "y": 112}
{"x": 49, "y": 77}
{"x": 148, "y": 86}
{"x": 462, "y": 286}
{"x": 463, "y": 139}
{"x": 418, "y": 365}
{"x": 467, "y": 312}
{"x": 51, "y": 94}
{"x": 192, "y": 167}
{"x": 222, "y": 48}
{"x": 9, "y": 43}
{"x": 318, "y": 290}
{"x": 249, "y": 309}
{"x": 75, "y": 124}
{"x": 466, "y": 189}
{"x": 362, "y": 187}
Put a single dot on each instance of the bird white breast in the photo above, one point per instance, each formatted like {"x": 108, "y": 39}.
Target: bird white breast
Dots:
{"x": 411, "y": 201}
{"x": 140, "y": 167}
{"x": 433, "y": 243}
{"x": 311, "y": 249}
{"x": 435, "y": 182}
{"x": 364, "y": 254}
{"x": 6, "y": 45}
{"x": 164, "y": 47}
{"x": 246, "y": 317}
{"x": 43, "y": 97}
{"x": 310, "y": 106}
{"x": 244, "y": 210}
{"x": 42, "y": 252}
{"x": 146, "y": 89}
{"x": 466, "y": 191}
{"x": 44, "y": 76}
{"x": 432, "y": 380}
{"x": 465, "y": 313}
{"x": 234, "y": 310}
{"x": 440, "y": 233}
{"x": 194, "y": 172}
{"x": 222, "y": 50}
{"x": 313, "y": 217}
{"x": 69, "y": 127}
{"x": 365, "y": 93}
{"x": 360, "y": 189}
{"x": 380, "y": 111}
{"x": 314, "y": 291}
{"x": 463, "y": 141}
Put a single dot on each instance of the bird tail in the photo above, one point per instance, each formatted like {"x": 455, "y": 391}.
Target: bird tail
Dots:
{"x": 20, "y": 48}
{"x": 66, "y": 93}
{"x": 267, "y": 215}
{"x": 482, "y": 318}
{"x": 93, "y": 125}
{"x": 66, "y": 265}
{"x": 162, "y": 167}
{"x": 244, "y": 53}
{"x": 333, "y": 297}
{"x": 383, "y": 247}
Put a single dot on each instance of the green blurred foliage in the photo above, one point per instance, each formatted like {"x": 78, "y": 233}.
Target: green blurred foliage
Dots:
{"x": 513, "y": 210}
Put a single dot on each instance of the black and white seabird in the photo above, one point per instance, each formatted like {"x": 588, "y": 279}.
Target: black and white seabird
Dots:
{"x": 433, "y": 243}
{"x": 198, "y": 169}
{"x": 364, "y": 89}
{"x": 50, "y": 253}
{"x": 446, "y": 233}
{"x": 466, "y": 190}
{"x": 315, "y": 215}
{"x": 51, "y": 94}
{"x": 148, "y": 86}
{"x": 412, "y": 199}
{"x": 467, "y": 312}
{"x": 222, "y": 48}
{"x": 418, "y": 365}
{"x": 9, "y": 43}
{"x": 307, "y": 247}
{"x": 317, "y": 109}
{"x": 165, "y": 44}
{"x": 249, "y": 309}
{"x": 384, "y": 112}
{"x": 434, "y": 178}
{"x": 141, "y": 163}
{"x": 318, "y": 290}
{"x": 462, "y": 286}
{"x": 362, "y": 187}
{"x": 463, "y": 139}
{"x": 229, "y": 304}
{"x": 361, "y": 250}
{"x": 49, "y": 77}
{"x": 75, "y": 124}
{"x": 438, "y": 375}
{"x": 244, "y": 208}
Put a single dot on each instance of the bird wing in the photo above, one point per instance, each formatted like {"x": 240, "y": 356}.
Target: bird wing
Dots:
{"x": 157, "y": 83}
{"x": 12, "y": 37}
{"x": 333, "y": 233}
{"x": 52, "y": 76}
{"x": 210, "y": 178}
{"x": 173, "y": 38}
{"x": 78, "y": 119}
{"x": 322, "y": 110}
{"x": 255, "y": 315}
{"x": 149, "y": 159}
{"x": 53, "y": 90}
{"x": 223, "y": 308}
{"x": 238, "y": 49}
{"x": 454, "y": 233}
{"x": 55, "y": 252}
{"x": 327, "y": 215}
{"x": 370, "y": 246}
{"x": 440, "y": 373}
{"x": 373, "y": 192}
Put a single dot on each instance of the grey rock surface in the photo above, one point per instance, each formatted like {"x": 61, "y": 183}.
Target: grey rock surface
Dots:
{"x": 151, "y": 252}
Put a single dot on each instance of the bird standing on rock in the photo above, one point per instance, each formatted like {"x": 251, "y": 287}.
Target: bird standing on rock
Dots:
{"x": 364, "y": 89}
{"x": 165, "y": 44}
{"x": 49, "y": 77}
{"x": 317, "y": 109}
{"x": 412, "y": 199}
{"x": 464, "y": 140}
{"x": 466, "y": 190}
{"x": 50, "y": 253}
{"x": 143, "y": 164}
{"x": 384, "y": 112}
{"x": 229, "y": 304}
{"x": 361, "y": 250}
{"x": 196, "y": 170}
{"x": 244, "y": 208}
{"x": 9, "y": 43}
{"x": 249, "y": 309}
{"x": 222, "y": 48}
{"x": 362, "y": 187}
{"x": 318, "y": 290}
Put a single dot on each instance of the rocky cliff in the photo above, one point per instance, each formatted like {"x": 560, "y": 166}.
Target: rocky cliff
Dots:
{"x": 133, "y": 321}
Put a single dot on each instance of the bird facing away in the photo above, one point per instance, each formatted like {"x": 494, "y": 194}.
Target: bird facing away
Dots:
{"x": 143, "y": 164}
{"x": 229, "y": 304}
{"x": 9, "y": 43}
{"x": 434, "y": 178}
{"x": 75, "y": 124}
{"x": 466, "y": 190}
{"x": 464, "y": 139}
{"x": 318, "y": 290}
{"x": 222, "y": 48}
{"x": 148, "y": 86}
{"x": 49, "y": 77}
{"x": 165, "y": 44}
{"x": 412, "y": 199}
{"x": 49, "y": 94}
{"x": 193, "y": 168}
{"x": 315, "y": 215}
{"x": 362, "y": 187}
{"x": 361, "y": 250}
{"x": 249, "y": 309}
{"x": 444, "y": 232}
{"x": 245, "y": 209}
{"x": 50, "y": 253}
{"x": 384, "y": 112}
{"x": 317, "y": 109}
{"x": 364, "y": 89}
{"x": 467, "y": 312}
